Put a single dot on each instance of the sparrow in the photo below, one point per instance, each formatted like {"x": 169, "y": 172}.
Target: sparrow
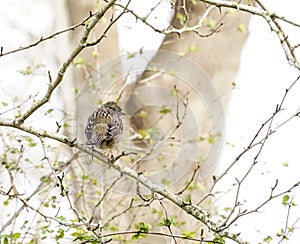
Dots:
{"x": 104, "y": 125}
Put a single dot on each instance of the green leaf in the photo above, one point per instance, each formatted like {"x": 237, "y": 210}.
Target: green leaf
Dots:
{"x": 16, "y": 235}
{"x": 158, "y": 212}
{"x": 268, "y": 239}
{"x": 62, "y": 218}
{"x": 212, "y": 24}
{"x": 233, "y": 84}
{"x": 168, "y": 221}
{"x": 211, "y": 139}
{"x": 79, "y": 62}
{"x": 76, "y": 91}
{"x": 165, "y": 110}
{"x": 60, "y": 234}
{"x": 218, "y": 239}
{"x": 143, "y": 227}
{"x": 138, "y": 236}
{"x": 165, "y": 181}
{"x": 6, "y": 202}
{"x": 285, "y": 200}
{"x": 189, "y": 234}
{"x": 50, "y": 110}
{"x": 5, "y": 240}
{"x": 143, "y": 114}
{"x": 44, "y": 178}
{"x": 66, "y": 125}
{"x": 27, "y": 71}
{"x": 114, "y": 75}
{"x": 114, "y": 228}
{"x": 95, "y": 54}
{"x": 181, "y": 17}
{"x": 131, "y": 55}
{"x": 201, "y": 138}
{"x": 241, "y": 28}
{"x": 193, "y": 49}
{"x": 188, "y": 198}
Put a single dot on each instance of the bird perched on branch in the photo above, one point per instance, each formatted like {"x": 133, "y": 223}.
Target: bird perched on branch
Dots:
{"x": 104, "y": 125}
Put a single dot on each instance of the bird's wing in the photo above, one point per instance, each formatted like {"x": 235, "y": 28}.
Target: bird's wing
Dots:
{"x": 97, "y": 126}
{"x": 115, "y": 128}
{"x": 98, "y": 134}
{"x": 90, "y": 125}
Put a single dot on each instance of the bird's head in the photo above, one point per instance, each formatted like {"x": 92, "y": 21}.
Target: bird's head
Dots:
{"x": 115, "y": 107}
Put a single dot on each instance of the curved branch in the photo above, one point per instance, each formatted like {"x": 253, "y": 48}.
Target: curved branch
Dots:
{"x": 42, "y": 39}
{"x": 272, "y": 20}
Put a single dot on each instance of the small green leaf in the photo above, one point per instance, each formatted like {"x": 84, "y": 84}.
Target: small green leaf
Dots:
{"x": 143, "y": 114}
{"x": 211, "y": 139}
{"x": 62, "y": 218}
{"x": 144, "y": 134}
{"x": 27, "y": 71}
{"x": 76, "y": 91}
{"x": 84, "y": 177}
{"x": 227, "y": 209}
{"x": 16, "y": 235}
{"x": 158, "y": 212}
{"x": 193, "y": 49}
{"x": 138, "y": 236}
{"x": 241, "y": 28}
{"x": 131, "y": 55}
{"x": 30, "y": 141}
{"x": 66, "y": 125}
{"x": 79, "y": 62}
{"x": 285, "y": 200}
{"x": 114, "y": 75}
{"x": 6, "y": 202}
{"x": 50, "y": 110}
{"x": 189, "y": 234}
{"x": 218, "y": 239}
{"x": 95, "y": 54}
{"x": 165, "y": 110}
{"x": 212, "y": 24}
{"x": 168, "y": 221}
{"x": 188, "y": 198}
{"x": 201, "y": 138}
{"x": 181, "y": 17}
{"x": 114, "y": 228}
{"x": 165, "y": 222}
{"x": 60, "y": 234}
{"x": 268, "y": 239}
{"x": 103, "y": 20}
{"x": 44, "y": 179}
{"x": 143, "y": 227}
{"x": 165, "y": 181}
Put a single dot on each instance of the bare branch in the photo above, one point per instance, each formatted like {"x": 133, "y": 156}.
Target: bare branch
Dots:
{"x": 82, "y": 45}
{"x": 271, "y": 19}
{"x": 43, "y": 39}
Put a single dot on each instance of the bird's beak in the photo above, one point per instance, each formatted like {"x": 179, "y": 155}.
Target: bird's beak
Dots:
{"x": 122, "y": 112}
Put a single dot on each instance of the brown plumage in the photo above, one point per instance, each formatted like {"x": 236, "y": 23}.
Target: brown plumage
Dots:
{"x": 104, "y": 125}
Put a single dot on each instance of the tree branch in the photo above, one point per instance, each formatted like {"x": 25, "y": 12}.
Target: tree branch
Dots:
{"x": 82, "y": 45}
